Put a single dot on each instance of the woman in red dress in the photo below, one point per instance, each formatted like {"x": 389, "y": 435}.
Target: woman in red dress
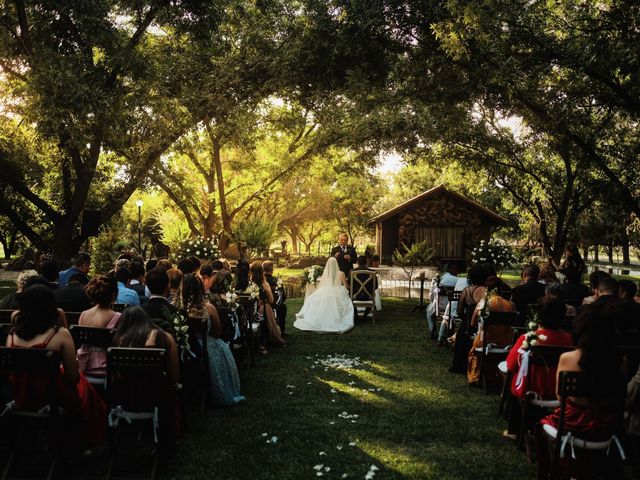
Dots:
{"x": 36, "y": 327}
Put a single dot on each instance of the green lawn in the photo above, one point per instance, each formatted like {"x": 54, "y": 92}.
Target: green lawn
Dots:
{"x": 414, "y": 419}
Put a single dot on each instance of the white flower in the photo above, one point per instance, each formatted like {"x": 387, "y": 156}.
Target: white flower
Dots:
{"x": 525, "y": 344}
{"x": 184, "y": 329}
{"x": 532, "y": 325}
{"x": 542, "y": 338}
{"x": 188, "y": 250}
{"x": 198, "y": 253}
{"x": 534, "y": 342}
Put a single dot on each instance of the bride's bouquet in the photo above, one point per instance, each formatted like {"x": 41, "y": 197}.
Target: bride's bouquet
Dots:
{"x": 311, "y": 275}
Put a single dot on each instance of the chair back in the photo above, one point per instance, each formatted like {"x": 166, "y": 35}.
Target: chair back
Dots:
{"x": 500, "y": 336}
{"x": 632, "y": 354}
{"x": 36, "y": 362}
{"x": 136, "y": 377}
{"x": 198, "y": 331}
{"x": 362, "y": 285}
{"x": 454, "y": 296}
{"x": 72, "y": 317}
{"x": 5, "y": 330}
{"x": 503, "y": 318}
{"x": 226, "y": 324}
{"x": 119, "y": 307}
{"x": 92, "y": 336}
{"x": 5, "y": 315}
{"x": 548, "y": 355}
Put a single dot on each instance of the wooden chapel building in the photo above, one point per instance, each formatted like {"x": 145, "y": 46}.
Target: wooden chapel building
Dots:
{"x": 451, "y": 223}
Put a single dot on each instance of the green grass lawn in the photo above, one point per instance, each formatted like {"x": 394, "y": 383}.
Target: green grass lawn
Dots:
{"x": 414, "y": 419}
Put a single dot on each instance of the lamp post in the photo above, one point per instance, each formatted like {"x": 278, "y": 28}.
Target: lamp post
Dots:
{"x": 139, "y": 204}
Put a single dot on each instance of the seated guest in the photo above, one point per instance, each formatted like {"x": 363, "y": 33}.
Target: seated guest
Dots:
{"x": 137, "y": 281}
{"x": 607, "y": 292}
{"x": 158, "y": 307}
{"x": 597, "y": 355}
{"x": 40, "y": 280}
{"x": 80, "y": 268}
{"x": 49, "y": 270}
{"x": 553, "y": 291}
{"x": 594, "y": 281}
{"x": 220, "y": 285}
{"x": 26, "y": 261}
{"x": 242, "y": 274}
{"x": 72, "y": 297}
{"x": 572, "y": 290}
{"x": 628, "y": 310}
{"x": 195, "y": 261}
{"x": 551, "y": 311}
{"x": 36, "y": 327}
{"x": 10, "y": 302}
{"x": 469, "y": 298}
{"x": 279, "y": 296}
{"x": 164, "y": 264}
{"x": 451, "y": 312}
{"x": 530, "y": 291}
{"x": 572, "y": 261}
{"x": 498, "y": 334}
{"x": 150, "y": 265}
{"x": 437, "y": 296}
{"x": 102, "y": 291}
{"x": 500, "y": 286}
{"x": 206, "y": 275}
{"x": 136, "y": 330}
{"x": 224, "y": 382}
{"x": 371, "y": 288}
{"x": 547, "y": 274}
{"x": 175, "y": 279}
{"x": 186, "y": 266}
{"x": 126, "y": 295}
{"x": 269, "y": 330}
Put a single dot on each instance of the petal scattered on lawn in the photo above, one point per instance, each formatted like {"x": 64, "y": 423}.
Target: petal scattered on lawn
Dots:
{"x": 322, "y": 453}
{"x": 374, "y": 468}
{"x": 265, "y": 434}
{"x": 339, "y": 447}
{"x": 318, "y": 467}
{"x": 352, "y": 444}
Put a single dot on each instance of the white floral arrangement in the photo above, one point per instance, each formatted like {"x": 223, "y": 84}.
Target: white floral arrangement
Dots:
{"x": 201, "y": 247}
{"x": 232, "y": 300}
{"x": 312, "y": 274}
{"x": 252, "y": 290}
{"x": 181, "y": 330}
{"x": 492, "y": 252}
{"x": 279, "y": 284}
{"x": 532, "y": 338}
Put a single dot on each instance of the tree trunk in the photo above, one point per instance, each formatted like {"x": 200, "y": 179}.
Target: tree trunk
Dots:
{"x": 65, "y": 245}
{"x": 585, "y": 251}
{"x": 626, "y": 258}
{"x": 609, "y": 250}
{"x": 596, "y": 253}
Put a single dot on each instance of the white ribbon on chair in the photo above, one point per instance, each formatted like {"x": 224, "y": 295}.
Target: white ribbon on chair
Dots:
{"x": 236, "y": 325}
{"x": 524, "y": 368}
{"x": 118, "y": 413}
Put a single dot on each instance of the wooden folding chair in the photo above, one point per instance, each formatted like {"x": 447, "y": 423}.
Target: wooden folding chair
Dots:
{"x": 199, "y": 330}
{"x": 5, "y": 330}
{"x": 36, "y": 363}
{"x": 574, "y": 384}
{"x": 249, "y": 327}
{"x": 5, "y": 315}
{"x": 491, "y": 351}
{"x": 543, "y": 357}
{"x": 101, "y": 338}
{"x": 136, "y": 380}
{"x": 362, "y": 285}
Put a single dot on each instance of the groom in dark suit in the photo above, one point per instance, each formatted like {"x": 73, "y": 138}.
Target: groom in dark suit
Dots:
{"x": 345, "y": 254}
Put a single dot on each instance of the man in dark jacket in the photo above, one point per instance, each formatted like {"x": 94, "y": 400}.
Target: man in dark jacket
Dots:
{"x": 279, "y": 296}
{"x": 158, "y": 307}
{"x": 72, "y": 297}
{"x": 530, "y": 291}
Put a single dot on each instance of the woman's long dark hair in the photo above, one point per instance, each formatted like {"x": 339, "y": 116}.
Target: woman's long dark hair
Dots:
{"x": 38, "y": 312}
{"x": 257, "y": 273}
{"x": 600, "y": 360}
{"x": 242, "y": 274}
{"x": 134, "y": 327}
{"x": 191, "y": 292}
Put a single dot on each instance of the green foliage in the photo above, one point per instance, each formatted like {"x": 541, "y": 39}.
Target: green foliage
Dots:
{"x": 418, "y": 255}
{"x": 256, "y": 234}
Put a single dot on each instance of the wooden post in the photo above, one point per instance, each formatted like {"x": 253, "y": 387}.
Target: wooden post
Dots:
{"x": 419, "y": 307}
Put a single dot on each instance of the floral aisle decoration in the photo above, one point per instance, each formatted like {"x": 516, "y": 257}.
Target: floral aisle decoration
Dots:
{"x": 181, "y": 331}
{"x": 531, "y": 339}
{"x": 252, "y": 290}
{"x": 311, "y": 275}
{"x": 501, "y": 256}
{"x": 201, "y": 247}
{"x": 232, "y": 300}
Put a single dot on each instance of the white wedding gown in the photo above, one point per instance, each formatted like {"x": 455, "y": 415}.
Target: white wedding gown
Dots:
{"x": 329, "y": 308}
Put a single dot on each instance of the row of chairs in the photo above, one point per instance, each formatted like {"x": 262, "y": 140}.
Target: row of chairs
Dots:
{"x": 129, "y": 371}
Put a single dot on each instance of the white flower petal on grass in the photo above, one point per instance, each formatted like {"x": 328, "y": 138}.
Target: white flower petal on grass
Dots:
{"x": 344, "y": 475}
{"x": 274, "y": 439}
{"x": 352, "y": 444}
{"x": 339, "y": 447}
{"x": 322, "y": 453}
{"x": 319, "y": 474}
{"x": 319, "y": 466}
{"x": 370, "y": 475}
{"x": 265, "y": 434}
{"x": 327, "y": 469}
{"x": 374, "y": 468}
{"x": 333, "y": 390}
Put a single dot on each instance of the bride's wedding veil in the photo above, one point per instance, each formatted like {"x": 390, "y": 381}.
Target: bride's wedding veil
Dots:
{"x": 331, "y": 274}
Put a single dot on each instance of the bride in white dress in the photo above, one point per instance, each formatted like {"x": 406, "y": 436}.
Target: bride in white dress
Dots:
{"x": 328, "y": 308}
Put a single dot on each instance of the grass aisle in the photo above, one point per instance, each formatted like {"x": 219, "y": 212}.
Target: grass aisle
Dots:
{"x": 414, "y": 419}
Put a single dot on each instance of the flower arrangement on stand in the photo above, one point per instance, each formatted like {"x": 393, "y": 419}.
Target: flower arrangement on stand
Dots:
{"x": 201, "y": 247}
{"x": 492, "y": 252}
{"x": 232, "y": 300}
{"x": 311, "y": 275}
